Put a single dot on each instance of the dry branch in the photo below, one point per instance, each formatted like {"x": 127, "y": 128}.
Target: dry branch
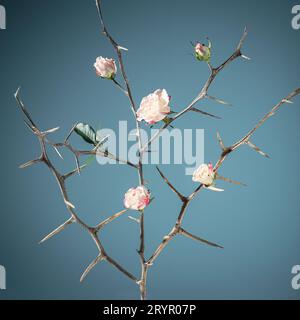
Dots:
{"x": 177, "y": 229}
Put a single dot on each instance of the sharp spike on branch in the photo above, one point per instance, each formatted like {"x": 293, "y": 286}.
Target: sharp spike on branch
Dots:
{"x": 204, "y": 113}
{"x": 134, "y": 219}
{"x": 257, "y": 149}
{"x": 122, "y": 48}
{"x": 245, "y": 57}
{"x": 246, "y": 138}
{"x": 22, "y": 106}
{"x": 109, "y": 219}
{"x": 220, "y": 141}
{"x": 287, "y": 101}
{"x": 29, "y": 163}
{"x": 101, "y": 142}
{"x": 70, "y": 132}
{"x": 57, "y": 230}
{"x": 50, "y": 131}
{"x": 69, "y": 204}
{"x": 193, "y": 237}
{"x": 230, "y": 181}
{"x": 56, "y": 150}
{"x": 73, "y": 172}
{"x": 239, "y": 47}
{"x": 218, "y": 100}
{"x": 17, "y": 92}
{"x": 77, "y": 163}
{"x": 30, "y": 127}
{"x": 181, "y": 197}
{"x": 91, "y": 266}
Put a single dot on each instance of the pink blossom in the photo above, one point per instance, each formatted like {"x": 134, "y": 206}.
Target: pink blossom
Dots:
{"x": 137, "y": 198}
{"x": 105, "y": 68}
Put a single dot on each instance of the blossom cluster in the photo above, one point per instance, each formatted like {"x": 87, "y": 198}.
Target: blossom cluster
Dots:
{"x": 155, "y": 107}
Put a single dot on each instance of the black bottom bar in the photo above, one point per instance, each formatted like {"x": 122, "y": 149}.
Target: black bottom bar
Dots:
{"x": 38, "y": 309}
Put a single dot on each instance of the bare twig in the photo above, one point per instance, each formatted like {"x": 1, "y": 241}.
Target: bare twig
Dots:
{"x": 181, "y": 197}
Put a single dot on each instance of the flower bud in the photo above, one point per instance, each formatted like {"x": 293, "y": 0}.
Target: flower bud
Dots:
{"x": 154, "y": 107}
{"x": 203, "y": 52}
{"x": 105, "y": 68}
{"x": 137, "y": 198}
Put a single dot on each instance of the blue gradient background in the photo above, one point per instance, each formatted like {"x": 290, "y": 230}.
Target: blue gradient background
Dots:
{"x": 49, "y": 48}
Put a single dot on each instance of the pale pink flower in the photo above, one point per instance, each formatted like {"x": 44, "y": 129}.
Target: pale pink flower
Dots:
{"x": 204, "y": 174}
{"x": 105, "y": 68}
{"x": 137, "y": 198}
{"x": 154, "y": 107}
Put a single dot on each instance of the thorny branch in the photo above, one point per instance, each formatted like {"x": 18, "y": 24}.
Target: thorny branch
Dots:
{"x": 127, "y": 91}
{"x": 61, "y": 180}
{"x": 203, "y": 92}
{"x": 177, "y": 229}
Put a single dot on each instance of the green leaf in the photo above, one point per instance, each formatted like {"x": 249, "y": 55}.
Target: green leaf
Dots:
{"x": 87, "y": 133}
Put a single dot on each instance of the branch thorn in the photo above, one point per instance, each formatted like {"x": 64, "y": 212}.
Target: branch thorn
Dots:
{"x": 57, "y": 230}
{"x": 257, "y": 149}
{"x": 30, "y": 163}
{"x": 91, "y": 266}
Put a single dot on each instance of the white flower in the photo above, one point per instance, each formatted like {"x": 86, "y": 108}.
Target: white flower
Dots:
{"x": 137, "y": 198}
{"x": 204, "y": 174}
{"x": 154, "y": 107}
{"x": 105, "y": 68}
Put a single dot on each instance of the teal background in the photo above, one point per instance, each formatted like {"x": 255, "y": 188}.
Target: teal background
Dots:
{"x": 49, "y": 48}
